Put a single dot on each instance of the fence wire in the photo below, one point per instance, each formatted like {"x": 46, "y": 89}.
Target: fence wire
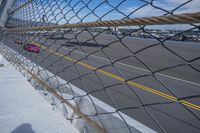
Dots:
{"x": 140, "y": 74}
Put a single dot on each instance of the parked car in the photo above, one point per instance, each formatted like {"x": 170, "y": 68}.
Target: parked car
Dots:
{"x": 18, "y": 42}
{"x": 32, "y": 48}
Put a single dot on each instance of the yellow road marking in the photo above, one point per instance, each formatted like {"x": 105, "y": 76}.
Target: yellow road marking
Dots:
{"x": 142, "y": 87}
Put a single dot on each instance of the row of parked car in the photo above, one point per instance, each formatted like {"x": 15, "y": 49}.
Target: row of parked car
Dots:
{"x": 30, "y": 47}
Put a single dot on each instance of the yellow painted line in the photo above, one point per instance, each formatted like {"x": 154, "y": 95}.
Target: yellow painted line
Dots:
{"x": 142, "y": 87}
{"x": 152, "y": 91}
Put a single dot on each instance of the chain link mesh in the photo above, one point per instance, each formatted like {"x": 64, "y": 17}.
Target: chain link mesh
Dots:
{"x": 144, "y": 73}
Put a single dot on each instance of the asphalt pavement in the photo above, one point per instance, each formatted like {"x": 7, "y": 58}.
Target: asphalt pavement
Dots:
{"x": 129, "y": 74}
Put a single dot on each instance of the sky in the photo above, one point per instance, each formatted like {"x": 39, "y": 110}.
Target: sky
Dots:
{"x": 76, "y": 11}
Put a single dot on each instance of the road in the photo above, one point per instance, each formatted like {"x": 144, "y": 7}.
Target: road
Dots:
{"x": 145, "y": 97}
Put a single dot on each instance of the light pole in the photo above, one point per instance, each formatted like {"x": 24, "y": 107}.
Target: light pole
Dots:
{"x": 5, "y": 6}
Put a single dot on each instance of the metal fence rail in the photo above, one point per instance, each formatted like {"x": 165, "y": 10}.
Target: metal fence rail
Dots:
{"x": 137, "y": 62}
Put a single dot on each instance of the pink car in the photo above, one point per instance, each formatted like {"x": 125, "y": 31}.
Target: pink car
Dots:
{"x": 32, "y": 48}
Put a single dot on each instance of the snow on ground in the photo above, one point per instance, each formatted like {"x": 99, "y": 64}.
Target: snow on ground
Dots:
{"x": 24, "y": 110}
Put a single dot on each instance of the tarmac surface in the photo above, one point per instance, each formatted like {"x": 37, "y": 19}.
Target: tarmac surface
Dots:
{"x": 140, "y": 77}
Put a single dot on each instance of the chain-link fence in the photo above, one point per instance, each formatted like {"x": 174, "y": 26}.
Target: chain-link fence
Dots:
{"x": 119, "y": 65}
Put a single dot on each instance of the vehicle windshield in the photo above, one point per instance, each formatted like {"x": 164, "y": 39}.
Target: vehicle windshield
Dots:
{"x": 31, "y": 45}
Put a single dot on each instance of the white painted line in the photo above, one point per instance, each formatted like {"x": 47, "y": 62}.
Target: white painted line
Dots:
{"x": 142, "y": 69}
{"x": 190, "y": 82}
